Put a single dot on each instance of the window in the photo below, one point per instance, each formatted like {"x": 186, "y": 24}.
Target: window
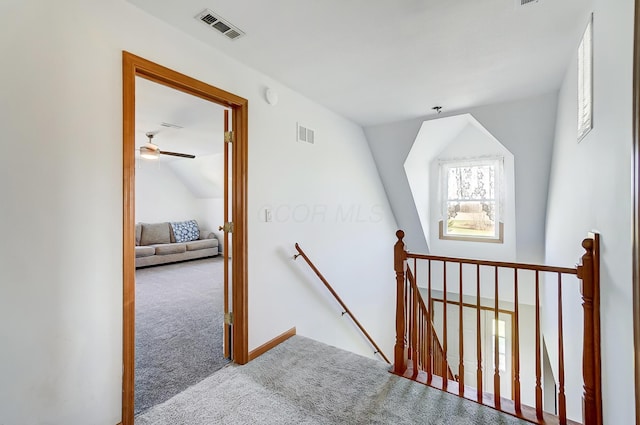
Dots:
{"x": 585, "y": 82}
{"x": 471, "y": 200}
{"x": 500, "y": 328}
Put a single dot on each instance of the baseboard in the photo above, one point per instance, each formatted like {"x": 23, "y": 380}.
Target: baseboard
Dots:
{"x": 270, "y": 344}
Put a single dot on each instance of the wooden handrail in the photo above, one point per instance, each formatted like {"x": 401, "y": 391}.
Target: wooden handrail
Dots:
{"x": 521, "y": 266}
{"x": 302, "y": 254}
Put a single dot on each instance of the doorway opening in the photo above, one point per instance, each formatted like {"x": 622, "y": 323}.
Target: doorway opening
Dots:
{"x": 235, "y": 325}
{"x": 181, "y": 290}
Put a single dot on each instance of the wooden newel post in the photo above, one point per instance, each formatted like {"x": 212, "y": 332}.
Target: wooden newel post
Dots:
{"x": 588, "y": 272}
{"x": 400, "y": 349}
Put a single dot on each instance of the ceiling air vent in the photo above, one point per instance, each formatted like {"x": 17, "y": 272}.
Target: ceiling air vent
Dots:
{"x": 520, "y": 3}
{"x": 305, "y": 134}
{"x": 170, "y": 125}
{"x": 215, "y": 21}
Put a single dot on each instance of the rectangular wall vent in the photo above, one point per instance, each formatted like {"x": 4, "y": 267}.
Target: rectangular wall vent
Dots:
{"x": 305, "y": 134}
{"x": 223, "y": 26}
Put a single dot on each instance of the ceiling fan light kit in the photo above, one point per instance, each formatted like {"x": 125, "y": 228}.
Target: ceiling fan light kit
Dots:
{"x": 148, "y": 153}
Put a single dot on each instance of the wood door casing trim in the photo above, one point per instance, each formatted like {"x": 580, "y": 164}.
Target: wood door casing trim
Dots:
{"x": 134, "y": 66}
{"x": 225, "y": 241}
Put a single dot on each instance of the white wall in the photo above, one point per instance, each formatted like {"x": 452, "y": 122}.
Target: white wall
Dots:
{"x": 161, "y": 196}
{"x": 212, "y": 216}
{"x": 590, "y": 189}
{"x": 61, "y": 169}
{"x": 202, "y": 175}
{"x": 434, "y": 135}
{"x": 524, "y": 127}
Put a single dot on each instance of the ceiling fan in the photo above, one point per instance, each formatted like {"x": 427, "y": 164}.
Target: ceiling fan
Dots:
{"x": 151, "y": 151}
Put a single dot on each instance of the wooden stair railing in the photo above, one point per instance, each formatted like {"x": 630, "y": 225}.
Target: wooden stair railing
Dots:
{"x": 346, "y": 310}
{"x": 420, "y": 357}
{"x": 430, "y": 357}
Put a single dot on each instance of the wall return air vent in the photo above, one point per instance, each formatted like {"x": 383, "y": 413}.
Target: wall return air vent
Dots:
{"x": 216, "y": 22}
{"x": 305, "y": 134}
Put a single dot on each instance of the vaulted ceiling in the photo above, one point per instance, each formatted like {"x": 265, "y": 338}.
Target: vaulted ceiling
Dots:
{"x": 383, "y": 61}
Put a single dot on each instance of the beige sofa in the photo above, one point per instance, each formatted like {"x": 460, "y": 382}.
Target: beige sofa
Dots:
{"x": 168, "y": 242}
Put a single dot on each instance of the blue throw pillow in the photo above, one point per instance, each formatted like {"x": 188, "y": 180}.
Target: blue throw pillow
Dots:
{"x": 185, "y": 231}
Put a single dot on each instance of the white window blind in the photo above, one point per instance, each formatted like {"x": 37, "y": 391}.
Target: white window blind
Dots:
{"x": 585, "y": 82}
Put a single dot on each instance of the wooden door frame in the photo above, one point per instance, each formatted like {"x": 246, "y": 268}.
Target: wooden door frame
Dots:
{"x": 134, "y": 66}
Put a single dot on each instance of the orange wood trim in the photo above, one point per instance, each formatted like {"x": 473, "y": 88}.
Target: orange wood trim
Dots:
{"x": 430, "y": 330}
{"x": 413, "y": 329}
{"x": 588, "y": 272}
{"x": 435, "y": 347}
{"x": 225, "y": 240}
{"x": 636, "y": 206}
{"x": 515, "y": 349}
{"x": 154, "y": 72}
{"x": 461, "y": 335}
{"x": 562, "y": 399}
{"x": 597, "y": 347}
{"x": 523, "y": 266}
{"x": 128, "y": 238}
{"x": 136, "y": 66}
{"x": 445, "y": 328}
{"x": 254, "y": 354}
{"x": 400, "y": 347}
{"x": 302, "y": 254}
{"x": 240, "y": 263}
{"x": 539, "y": 410}
{"x": 591, "y": 369}
{"x": 478, "y": 339}
{"x": 496, "y": 345}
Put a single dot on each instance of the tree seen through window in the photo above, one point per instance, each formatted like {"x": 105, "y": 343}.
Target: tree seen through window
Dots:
{"x": 471, "y": 199}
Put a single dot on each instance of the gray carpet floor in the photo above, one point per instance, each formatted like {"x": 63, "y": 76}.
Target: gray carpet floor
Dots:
{"x": 302, "y": 381}
{"x": 179, "y": 316}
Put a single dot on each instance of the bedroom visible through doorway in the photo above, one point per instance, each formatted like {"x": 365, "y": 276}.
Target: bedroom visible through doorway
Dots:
{"x": 136, "y": 69}
{"x": 179, "y": 205}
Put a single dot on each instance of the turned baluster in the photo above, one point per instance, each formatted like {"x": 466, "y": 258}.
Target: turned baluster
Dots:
{"x": 400, "y": 348}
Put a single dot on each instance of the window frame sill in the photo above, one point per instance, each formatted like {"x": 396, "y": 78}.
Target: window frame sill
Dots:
{"x": 469, "y": 238}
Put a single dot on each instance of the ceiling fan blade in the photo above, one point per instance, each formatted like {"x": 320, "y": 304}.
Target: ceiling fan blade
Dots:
{"x": 181, "y": 155}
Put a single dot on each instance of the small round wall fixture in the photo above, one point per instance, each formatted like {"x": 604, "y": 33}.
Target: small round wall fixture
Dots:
{"x": 272, "y": 96}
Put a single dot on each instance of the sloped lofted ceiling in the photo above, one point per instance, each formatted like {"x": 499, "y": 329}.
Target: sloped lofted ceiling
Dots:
{"x": 201, "y": 134}
{"x": 382, "y": 61}
{"x": 196, "y": 125}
